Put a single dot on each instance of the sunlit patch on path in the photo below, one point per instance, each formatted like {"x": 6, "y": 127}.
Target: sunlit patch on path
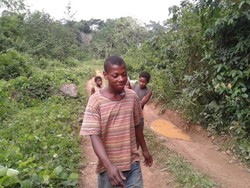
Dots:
{"x": 169, "y": 130}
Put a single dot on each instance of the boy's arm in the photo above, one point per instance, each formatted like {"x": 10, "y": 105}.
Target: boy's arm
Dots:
{"x": 115, "y": 175}
{"x": 146, "y": 98}
{"x": 140, "y": 138}
{"x": 92, "y": 90}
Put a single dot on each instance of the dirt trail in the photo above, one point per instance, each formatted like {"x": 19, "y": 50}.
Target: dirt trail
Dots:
{"x": 200, "y": 151}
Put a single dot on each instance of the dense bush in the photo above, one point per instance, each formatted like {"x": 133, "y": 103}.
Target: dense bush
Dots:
{"x": 39, "y": 147}
{"x": 29, "y": 90}
{"x": 12, "y": 65}
{"x": 8, "y": 107}
{"x": 229, "y": 55}
{"x": 229, "y": 58}
{"x": 201, "y": 66}
{"x": 44, "y": 151}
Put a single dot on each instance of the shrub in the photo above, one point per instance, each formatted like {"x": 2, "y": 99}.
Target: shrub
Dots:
{"x": 45, "y": 150}
{"x": 27, "y": 90}
{"x": 12, "y": 65}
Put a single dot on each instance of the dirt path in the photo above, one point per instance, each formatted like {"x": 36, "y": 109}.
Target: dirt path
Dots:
{"x": 200, "y": 151}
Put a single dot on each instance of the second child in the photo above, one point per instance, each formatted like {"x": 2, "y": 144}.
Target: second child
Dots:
{"x": 98, "y": 86}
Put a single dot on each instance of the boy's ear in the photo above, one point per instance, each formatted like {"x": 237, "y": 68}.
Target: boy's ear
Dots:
{"x": 105, "y": 75}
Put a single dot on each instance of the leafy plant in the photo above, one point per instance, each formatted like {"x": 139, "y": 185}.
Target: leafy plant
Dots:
{"x": 13, "y": 65}
{"x": 45, "y": 152}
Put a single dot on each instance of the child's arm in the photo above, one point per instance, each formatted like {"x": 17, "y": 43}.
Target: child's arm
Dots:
{"x": 146, "y": 98}
{"x": 115, "y": 175}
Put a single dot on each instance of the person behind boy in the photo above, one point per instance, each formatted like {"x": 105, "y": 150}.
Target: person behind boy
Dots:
{"x": 98, "y": 86}
{"x": 141, "y": 89}
{"x": 112, "y": 120}
{"x": 128, "y": 85}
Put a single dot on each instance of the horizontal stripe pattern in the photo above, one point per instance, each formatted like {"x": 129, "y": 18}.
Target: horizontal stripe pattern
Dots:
{"x": 115, "y": 122}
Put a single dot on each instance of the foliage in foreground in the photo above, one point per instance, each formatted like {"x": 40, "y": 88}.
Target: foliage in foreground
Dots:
{"x": 38, "y": 134}
{"x": 39, "y": 145}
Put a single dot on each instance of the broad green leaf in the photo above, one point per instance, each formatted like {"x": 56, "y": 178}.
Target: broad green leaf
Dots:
{"x": 245, "y": 96}
{"x": 12, "y": 172}
{"x": 57, "y": 171}
{"x": 3, "y": 171}
{"x": 29, "y": 160}
{"x": 46, "y": 179}
{"x": 26, "y": 184}
{"x": 244, "y": 89}
{"x": 74, "y": 176}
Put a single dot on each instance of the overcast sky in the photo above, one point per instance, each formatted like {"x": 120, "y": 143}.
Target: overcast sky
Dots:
{"x": 143, "y": 10}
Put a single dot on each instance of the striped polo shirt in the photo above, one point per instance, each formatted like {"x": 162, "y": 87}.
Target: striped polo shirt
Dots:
{"x": 115, "y": 122}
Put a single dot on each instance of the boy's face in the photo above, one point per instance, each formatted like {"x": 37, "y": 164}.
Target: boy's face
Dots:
{"x": 117, "y": 77}
{"x": 99, "y": 82}
{"x": 143, "y": 82}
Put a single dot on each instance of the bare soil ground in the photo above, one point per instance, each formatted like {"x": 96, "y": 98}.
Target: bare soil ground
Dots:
{"x": 202, "y": 151}
{"x": 205, "y": 156}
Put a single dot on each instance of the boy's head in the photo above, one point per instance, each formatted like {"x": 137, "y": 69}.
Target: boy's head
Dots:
{"x": 98, "y": 80}
{"x": 113, "y": 60}
{"x": 115, "y": 72}
{"x": 144, "y": 79}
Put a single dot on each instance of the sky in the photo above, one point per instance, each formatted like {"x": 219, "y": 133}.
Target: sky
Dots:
{"x": 142, "y": 10}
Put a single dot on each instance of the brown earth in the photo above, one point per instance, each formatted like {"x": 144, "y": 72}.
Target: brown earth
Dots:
{"x": 202, "y": 152}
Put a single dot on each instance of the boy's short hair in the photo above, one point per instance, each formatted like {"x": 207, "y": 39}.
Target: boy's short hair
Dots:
{"x": 98, "y": 78}
{"x": 113, "y": 60}
{"x": 146, "y": 75}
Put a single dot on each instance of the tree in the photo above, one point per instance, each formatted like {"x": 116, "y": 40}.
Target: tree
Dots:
{"x": 12, "y": 5}
{"x": 117, "y": 36}
{"x": 10, "y": 31}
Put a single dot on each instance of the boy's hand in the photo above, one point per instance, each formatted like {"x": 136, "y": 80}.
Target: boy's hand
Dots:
{"x": 116, "y": 177}
{"x": 148, "y": 159}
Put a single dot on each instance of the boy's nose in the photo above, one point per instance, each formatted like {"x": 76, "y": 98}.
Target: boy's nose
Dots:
{"x": 122, "y": 78}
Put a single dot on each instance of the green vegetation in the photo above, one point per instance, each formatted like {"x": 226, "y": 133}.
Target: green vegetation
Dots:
{"x": 200, "y": 65}
{"x": 40, "y": 127}
{"x": 37, "y": 145}
{"x": 199, "y": 61}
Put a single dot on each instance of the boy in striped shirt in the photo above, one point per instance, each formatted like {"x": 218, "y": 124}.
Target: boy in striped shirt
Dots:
{"x": 112, "y": 120}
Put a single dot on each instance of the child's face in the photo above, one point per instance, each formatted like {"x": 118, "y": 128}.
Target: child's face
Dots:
{"x": 117, "y": 77}
{"x": 143, "y": 82}
{"x": 99, "y": 82}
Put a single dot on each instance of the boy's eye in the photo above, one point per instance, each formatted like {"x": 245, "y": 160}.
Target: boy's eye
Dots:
{"x": 115, "y": 75}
